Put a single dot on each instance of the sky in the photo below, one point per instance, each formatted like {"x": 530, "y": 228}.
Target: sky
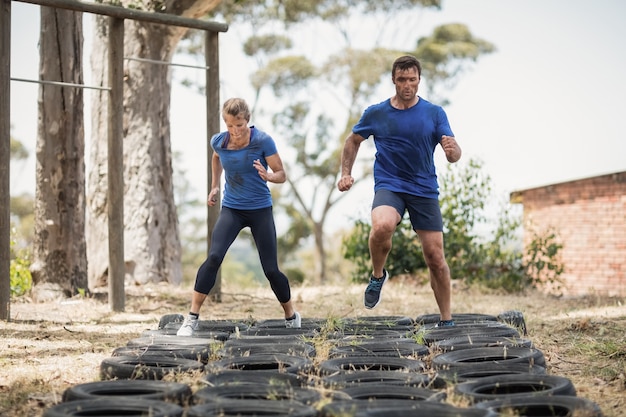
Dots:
{"x": 547, "y": 107}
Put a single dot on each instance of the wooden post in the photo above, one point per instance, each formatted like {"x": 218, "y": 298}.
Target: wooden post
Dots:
{"x": 213, "y": 126}
{"x": 115, "y": 157}
{"x": 5, "y": 159}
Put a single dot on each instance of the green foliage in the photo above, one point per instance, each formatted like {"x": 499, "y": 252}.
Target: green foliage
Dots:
{"x": 542, "y": 263}
{"x": 19, "y": 269}
{"x": 405, "y": 257}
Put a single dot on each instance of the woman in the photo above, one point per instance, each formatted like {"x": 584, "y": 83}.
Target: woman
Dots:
{"x": 244, "y": 153}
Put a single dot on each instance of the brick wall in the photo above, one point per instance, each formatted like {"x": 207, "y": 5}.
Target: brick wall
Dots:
{"x": 589, "y": 217}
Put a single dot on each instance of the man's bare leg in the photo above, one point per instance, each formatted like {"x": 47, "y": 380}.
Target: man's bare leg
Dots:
{"x": 432, "y": 246}
{"x": 384, "y": 222}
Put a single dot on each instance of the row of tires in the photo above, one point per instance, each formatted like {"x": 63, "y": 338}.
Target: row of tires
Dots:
{"x": 368, "y": 366}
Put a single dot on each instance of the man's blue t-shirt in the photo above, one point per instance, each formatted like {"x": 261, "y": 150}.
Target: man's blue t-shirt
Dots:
{"x": 405, "y": 144}
{"x": 244, "y": 188}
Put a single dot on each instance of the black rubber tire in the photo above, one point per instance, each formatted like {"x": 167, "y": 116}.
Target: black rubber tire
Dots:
{"x": 172, "y": 329}
{"x": 283, "y": 332}
{"x": 552, "y": 405}
{"x": 146, "y": 367}
{"x": 287, "y": 348}
{"x": 172, "y": 392}
{"x": 170, "y": 318}
{"x": 256, "y": 392}
{"x": 514, "y": 385}
{"x": 201, "y": 354}
{"x": 377, "y": 378}
{"x": 247, "y": 378}
{"x": 395, "y": 349}
{"x": 491, "y": 329}
{"x": 458, "y": 318}
{"x": 463, "y": 374}
{"x": 363, "y": 363}
{"x": 471, "y": 342}
{"x": 164, "y": 340}
{"x": 514, "y": 318}
{"x": 273, "y": 362}
{"x": 499, "y": 355}
{"x": 220, "y": 326}
{"x": 389, "y": 321}
{"x": 252, "y": 408}
{"x": 306, "y": 323}
{"x": 106, "y": 407}
{"x": 392, "y": 392}
{"x": 400, "y": 408}
{"x": 373, "y": 334}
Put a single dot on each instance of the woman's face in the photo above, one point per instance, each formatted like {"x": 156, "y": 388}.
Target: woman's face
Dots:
{"x": 237, "y": 126}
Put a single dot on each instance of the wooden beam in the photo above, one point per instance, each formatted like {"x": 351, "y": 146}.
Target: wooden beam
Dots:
{"x": 213, "y": 126}
{"x": 115, "y": 159}
{"x": 5, "y": 159}
{"x": 134, "y": 14}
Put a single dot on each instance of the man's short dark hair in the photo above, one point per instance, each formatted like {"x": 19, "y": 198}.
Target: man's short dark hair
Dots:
{"x": 406, "y": 62}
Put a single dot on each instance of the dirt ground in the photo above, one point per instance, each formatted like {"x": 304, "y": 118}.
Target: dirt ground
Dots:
{"x": 48, "y": 347}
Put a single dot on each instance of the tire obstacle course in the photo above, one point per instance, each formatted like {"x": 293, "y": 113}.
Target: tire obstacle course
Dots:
{"x": 485, "y": 366}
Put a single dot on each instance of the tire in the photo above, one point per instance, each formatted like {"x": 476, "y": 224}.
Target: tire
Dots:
{"x": 463, "y": 374}
{"x": 491, "y": 329}
{"x": 201, "y": 354}
{"x": 389, "y": 321}
{"x": 146, "y": 367}
{"x": 400, "y": 408}
{"x": 272, "y": 362}
{"x": 556, "y": 405}
{"x": 298, "y": 334}
{"x": 367, "y": 363}
{"x": 113, "y": 407}
{"x": 378, "y": 378}
{"x": 306, "y": 323}
{"x": 165, "y": 340}
{"x": 514, "y": 318}
{"x": 380, "y": 348}
{"x": 246, "y": 378}
{"x": 256, "y": 392}
{"x": 458, "y": 318}
{"x": 295, "y": 349}
{"x": 148, "y": 390}
{"x": 471, "y": 342}
{"x": 170, "y": 318}
{"x": 172, "y": 329}
{"x": 392, "y": 392}
{"x": 219, "y": 326}
{"x": 512, "y": 386}
{"x": 373, "y": 334}
{"x": 252, "y": 408}
{"x": 497, "y": 355}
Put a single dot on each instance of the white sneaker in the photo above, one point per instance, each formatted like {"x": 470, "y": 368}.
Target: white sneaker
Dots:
{"x": 188, "y": 327}
{"x": 294, "y": 323}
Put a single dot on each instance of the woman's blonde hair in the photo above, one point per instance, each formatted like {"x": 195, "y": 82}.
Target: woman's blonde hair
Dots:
{"x": 236, "y": 107}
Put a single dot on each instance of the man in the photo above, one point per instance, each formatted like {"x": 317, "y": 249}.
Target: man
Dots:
{"x": 406, "y": 130}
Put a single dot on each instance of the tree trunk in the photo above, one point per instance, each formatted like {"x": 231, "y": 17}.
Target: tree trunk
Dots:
{"x": 60, "y": 263}
{"x": 152, "y": 245}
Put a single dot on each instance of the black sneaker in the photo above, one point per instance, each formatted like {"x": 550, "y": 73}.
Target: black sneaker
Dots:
{"x": 372, "y": 292}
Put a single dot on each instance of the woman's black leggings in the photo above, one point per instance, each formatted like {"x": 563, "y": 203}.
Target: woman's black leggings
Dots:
{"x": 228, "y": 225}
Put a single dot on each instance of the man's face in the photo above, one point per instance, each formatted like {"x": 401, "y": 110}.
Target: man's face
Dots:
{"x": 406, "y": 82}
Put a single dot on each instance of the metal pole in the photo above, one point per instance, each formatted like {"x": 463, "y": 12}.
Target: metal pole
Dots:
{"x": 5, "y": 160}
{"x": 115, "y": 157}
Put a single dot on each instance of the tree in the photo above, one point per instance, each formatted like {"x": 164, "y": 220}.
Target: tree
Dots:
{"x": 305, "y": 95}
{"x": 152, "y": 244}
{"x": 60, "y": 265}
